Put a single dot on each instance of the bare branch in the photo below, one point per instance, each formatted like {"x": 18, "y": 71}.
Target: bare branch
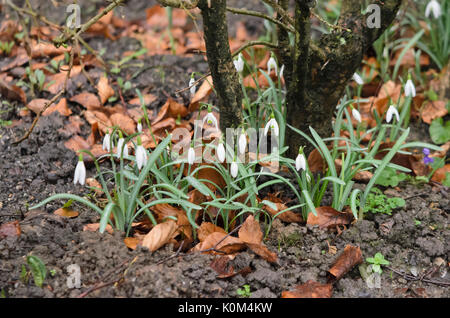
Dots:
{"x": 181, "y": 4}
{"x": 261, "y": 15}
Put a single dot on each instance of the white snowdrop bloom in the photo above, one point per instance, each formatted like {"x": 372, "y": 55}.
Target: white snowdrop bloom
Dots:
{"x": 242, "y": 142}
{"x": 308, "y": 178}
{"x": 191, "y": 155}
{"x": 392, "y": 111}
{"x": 239, "y": 63}
{"x": 358, "y": 79}
{"x": 300, "y": 162}
{"x": 356, "y": 114}
{"x": 107, "y": 142}
{"x": 139, "y": 127}
{"x": 221, "y": 152}
{"x": 434, "y": 8}
{"x": 271, "y": 63}
{"x": 193, "y": 87}
{"x": 410, "y": 89}
{"x": 272, "y": 124}
{"x": 80, "y": 172}
{"x": 210, "y": 119}
{"x": 234, "y": 169}
{"x": 121, "y": 144}
{"x": 281, "y": 71}
{"x": 141, "y": 155}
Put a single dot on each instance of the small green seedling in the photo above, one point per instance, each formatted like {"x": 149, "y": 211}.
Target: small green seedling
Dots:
{"x": 390, "y": 178}
{"x": 377, "y": 202}
{"x": 244, "y": 291}
{"x": 376, "y": 262}
{"x": 37, "y": 270}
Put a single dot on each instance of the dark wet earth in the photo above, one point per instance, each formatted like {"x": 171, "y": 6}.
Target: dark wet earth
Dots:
{"x": 414, "y": 239}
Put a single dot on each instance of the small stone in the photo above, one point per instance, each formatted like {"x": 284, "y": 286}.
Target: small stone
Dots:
{"x": 413, "y": 270}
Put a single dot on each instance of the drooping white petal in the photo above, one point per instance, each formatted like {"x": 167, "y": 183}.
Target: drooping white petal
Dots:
{"x": 392, "y": 111}
{"x": 239, "y": 63}
{"x": 210, "y": 119}
{"x": 191, "y": 155}
{"x": 234, "y": 169}
{"x": 434, "y": 8}
{"x": 193, "y": 87}
{"x": 358, "y": 79}
{"x": 221, "y": 152}
{"x": 141, "y": 156}
{"x": 242, "y": 143}
{"x": 106, "y": 142}
{"x": 271, "y": 63}
{"x": 139, "y": 127}
{"x": 410, "y": 89}
{"x": 271, "y": 124}
{"x": 300, "y": 162}
{"x": 80, "y": 173}
{"x": 356, "y": 114}
{"x": 121, "y": 144}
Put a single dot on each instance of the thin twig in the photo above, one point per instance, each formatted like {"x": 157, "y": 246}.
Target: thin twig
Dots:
{"x": 50, "y": 102}
{"x": 213, "y": 249}
{"x": 261, "y": 15}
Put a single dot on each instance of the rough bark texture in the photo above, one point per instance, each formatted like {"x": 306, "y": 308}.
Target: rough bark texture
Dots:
{"x": 328, "y": 75}
{"x": 225, "y": 77}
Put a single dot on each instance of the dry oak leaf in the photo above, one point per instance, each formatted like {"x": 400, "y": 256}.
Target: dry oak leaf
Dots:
{"x": 250, "y": 233}
{"x": 93, "y": 227}
{"x": 148, "y": 99}
{"x": 12, "y": 92}
{"x": 201, "y": 94}
{"x": 132, "y": 242}
{"x": 105, "y": 91}
{"x": 61, "y": 107}
{"x": 327, "y": 217}
{"x": 350, "y": 257}
{"x": 228, "y": 244}
{"x": 440, "y": 174}
{"x": 160, "y": 235}
{"x": 66, "y": 212}
{"x": 310, "y": 289}
{"x": 221, "y": 266}
{"x": 87, "y": 100}
{"x": 55, "y": 82}
{"x": 124, "y": 122}
{"x": 432, "y": 110}
{"x": 207, "y": 228}
{"x": 99, "y": 117}
{"x": 287, "y": 216}
{"x": 76, "y": 143}
{"x": 10, "y": 229}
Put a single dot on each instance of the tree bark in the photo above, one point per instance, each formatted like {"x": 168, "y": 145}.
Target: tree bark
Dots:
{"x": 330, "y": 68}
{"x": 224, "y": 74}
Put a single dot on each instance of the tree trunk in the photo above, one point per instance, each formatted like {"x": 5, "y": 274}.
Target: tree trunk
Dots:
{"x": 224, "y": 74}
{"x": 330, "y": 68}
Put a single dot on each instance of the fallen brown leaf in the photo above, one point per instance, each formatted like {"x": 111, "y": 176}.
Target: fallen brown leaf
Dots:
{"x": 93, "y": 227}
{"x": 310, "y": 289}
{"x": 87, "y": 100}
{"x": 350, "y": 257}
{"x": 160, "y": 235}
{"x": 105, "y": 91}
{"x": 327, "y": 217}
{"x": 10, "y": 229}
{"x": 66, "y": 212}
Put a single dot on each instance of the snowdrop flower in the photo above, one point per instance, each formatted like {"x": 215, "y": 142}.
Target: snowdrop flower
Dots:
{"x": 210, "y": 119}
{"x": 221, "y": 152}
{"x": 234, "y": 169}
{"x": 242, "y": 142}
{"x": 141, "y": 154}
{"x": 191, "y": 155}
{"x": 121, "y": 144}
{"x": 139, "y": 126}
{"x": 239, "y": 63}
{"x": 434, "y": 8}
{"x": 193, "y": 88}
{"x": 80, "y": 172}
{"x": 358, "y": 79}
{"x": 271, "y": 63}
{"x": 392, "y": 111}
{"x": 300, "y": 161}
{"x": 272, "y": 124}
{"x": 107, "y": 142}
{"x": 410, "y": 89}
{"x": 356, "y": 114}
